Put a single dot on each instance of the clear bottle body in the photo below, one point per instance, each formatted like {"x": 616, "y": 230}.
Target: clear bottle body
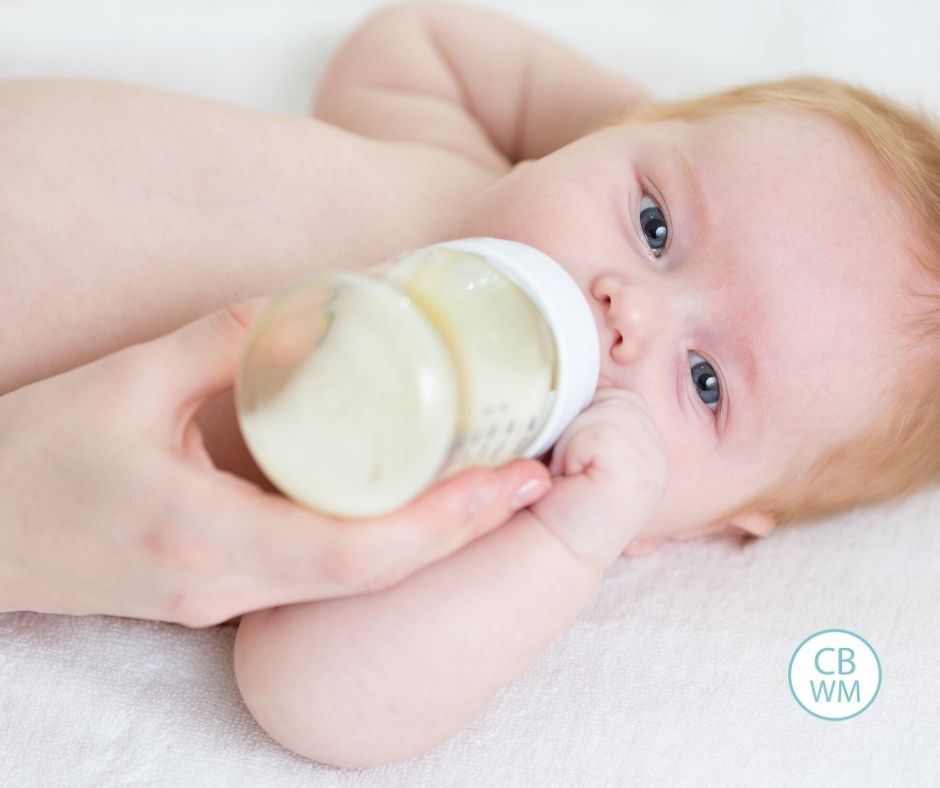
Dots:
{"x": 355, "y": 392}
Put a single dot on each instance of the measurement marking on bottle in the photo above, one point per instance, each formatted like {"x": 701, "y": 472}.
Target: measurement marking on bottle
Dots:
{"x": 496, "y": 452}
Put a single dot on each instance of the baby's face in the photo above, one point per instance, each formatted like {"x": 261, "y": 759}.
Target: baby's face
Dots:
{"x": 742, "y": 272}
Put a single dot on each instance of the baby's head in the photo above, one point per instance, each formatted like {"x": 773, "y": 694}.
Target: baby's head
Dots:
{"x": 764, "y": 268}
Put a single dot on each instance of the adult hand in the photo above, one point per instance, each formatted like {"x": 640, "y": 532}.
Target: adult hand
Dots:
{"x": 111, "y": 504}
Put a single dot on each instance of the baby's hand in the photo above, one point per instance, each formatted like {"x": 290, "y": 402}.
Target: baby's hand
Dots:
{"x": 610, "y": 472}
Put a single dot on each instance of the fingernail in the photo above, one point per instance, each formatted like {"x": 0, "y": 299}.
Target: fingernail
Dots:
{"x": 529, "y": 492}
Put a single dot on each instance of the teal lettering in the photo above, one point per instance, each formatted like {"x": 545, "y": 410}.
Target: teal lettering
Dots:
{"x": 823, "y": 690}
{"x": 827, "y": 689}
{"x": 856, "y": 691}
{"x": 843, "y": 660}
{"x": 826, "y": 672}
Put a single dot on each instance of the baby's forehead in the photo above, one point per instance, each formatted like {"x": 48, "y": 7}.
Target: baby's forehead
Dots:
{"x": 767, "y": 159}
{"x": 806, "y": 137}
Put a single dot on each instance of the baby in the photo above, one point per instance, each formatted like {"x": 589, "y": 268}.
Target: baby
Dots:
{"x": 755, "y": 262}
{"x": 762, "y": 265}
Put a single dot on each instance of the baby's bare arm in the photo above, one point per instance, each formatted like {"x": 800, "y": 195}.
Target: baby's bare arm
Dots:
{"x": 470, "y": 80}
{"x": 378, "y": 678}
{"x": 381, "y": 677}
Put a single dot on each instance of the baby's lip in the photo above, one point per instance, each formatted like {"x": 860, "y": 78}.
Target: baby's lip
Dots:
{"x": 603, "y": 383}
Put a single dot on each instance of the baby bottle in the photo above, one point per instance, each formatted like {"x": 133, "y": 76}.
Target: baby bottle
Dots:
{"x": 356, "y": 392}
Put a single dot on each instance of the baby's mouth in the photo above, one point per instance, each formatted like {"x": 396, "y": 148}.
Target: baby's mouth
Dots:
{"x": 603, "y": 383}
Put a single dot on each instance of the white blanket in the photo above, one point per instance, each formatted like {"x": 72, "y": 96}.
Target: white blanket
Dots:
{"x": 677, "y": 673}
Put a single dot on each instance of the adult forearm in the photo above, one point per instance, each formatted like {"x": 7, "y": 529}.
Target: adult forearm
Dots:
{"x": 126, "y": 212}
{"x": 381, "y": 677}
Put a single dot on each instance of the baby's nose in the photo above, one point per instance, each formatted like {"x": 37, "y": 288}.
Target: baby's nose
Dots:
{"x": 634, "y": 312}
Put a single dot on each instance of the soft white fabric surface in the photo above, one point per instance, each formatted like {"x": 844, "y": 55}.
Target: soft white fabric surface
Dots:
{"x": 677, "y": 673}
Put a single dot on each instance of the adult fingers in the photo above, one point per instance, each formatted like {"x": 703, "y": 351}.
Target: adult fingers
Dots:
{"x": 376, "y": 553}
{"x": 284, "y": 553}
{"x": 199, "y": 360}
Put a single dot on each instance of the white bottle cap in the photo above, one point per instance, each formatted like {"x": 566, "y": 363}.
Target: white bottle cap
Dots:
{"x": 568, "y": 315}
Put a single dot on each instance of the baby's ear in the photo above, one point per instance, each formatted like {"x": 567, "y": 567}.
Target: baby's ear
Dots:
{"x": 754, "y": 523}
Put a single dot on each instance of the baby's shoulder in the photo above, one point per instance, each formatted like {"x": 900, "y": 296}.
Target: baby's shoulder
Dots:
{"x": 414, "y": 188}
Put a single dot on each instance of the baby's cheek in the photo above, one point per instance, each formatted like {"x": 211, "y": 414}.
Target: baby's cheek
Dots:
{"x": 701, "y": 488}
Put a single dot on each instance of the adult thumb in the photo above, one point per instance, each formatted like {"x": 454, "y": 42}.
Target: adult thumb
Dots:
{"x": 199, "y": 360}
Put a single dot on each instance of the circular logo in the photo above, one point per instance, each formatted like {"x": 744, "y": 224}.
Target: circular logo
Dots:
{"x": 834, "y": 674}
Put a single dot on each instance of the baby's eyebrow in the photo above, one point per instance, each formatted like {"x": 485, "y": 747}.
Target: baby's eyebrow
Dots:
{"x": 746, "y": 400}
{"x": 694, "y": 206}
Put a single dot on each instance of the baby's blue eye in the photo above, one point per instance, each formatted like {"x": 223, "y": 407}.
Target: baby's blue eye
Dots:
{"x": 705, "y": 379}
{"x": 653, "y": 225}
